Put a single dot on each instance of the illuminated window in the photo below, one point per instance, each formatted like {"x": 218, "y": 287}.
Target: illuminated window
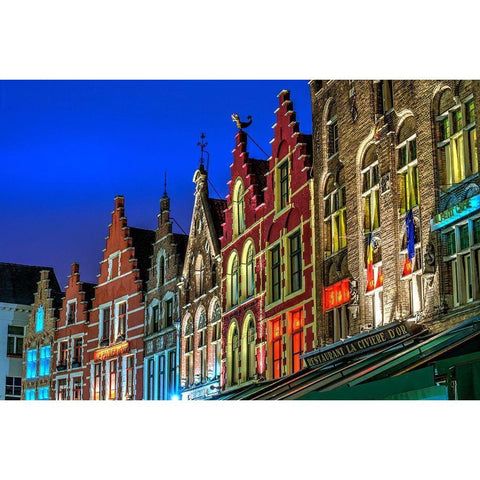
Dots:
{"x": 44, "y": 366}
{"x": 161, "y": 394}
{"x": 232, "y": 281}
{"x": 30, "y": 394}
{"x": 150, "y": 379}
{"x": 295, "y": 265}
{"x": 13, "y": 388}
{"x": 77, "y": 388}
{"x": 39, "y": 318}
{"x": 62, "y": 389}
{"x": 172, "y": 375}
{"x": 275, "y": 275}
{"x": 199, "y": 276}
{"x": 71, "y": 312}
{"x": 277, "y": 348}
{"x": 216, "y": 339}
{"x": 284, "y": 191}
{"x": 335, "y": 218}
{"x": 238, "y": 208}
{"x": 332, "y": 129}
{"x": 457, "y": 145}
{"x": 370, "y": 193}
{"x": 120, "y": 320}
{"x": 462, "y": 261}
{"x": 337, "y": 323}
{"x": 248, "y": 271}
{"x": 250, "y": 367}
{"x": 105, "y": 326}
{"x": 374, "y": 296}
{"x": 407, "y": 166}
{"x": 15, "y": 340}
{"x": 43, "y": 393}
{"x": 62, "y": 354}
{"x": 235, "y": 356}
{"x": 112, "y": 395}
{"x": 297, "y": 340}
{"x": 129, "y": 377}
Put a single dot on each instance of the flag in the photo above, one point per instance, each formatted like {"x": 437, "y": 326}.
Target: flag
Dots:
{"x": 370, "y": 276}
{"x": 408, "y": 264}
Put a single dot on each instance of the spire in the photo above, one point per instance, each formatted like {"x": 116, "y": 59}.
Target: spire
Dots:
{"x": 165, "y": 184}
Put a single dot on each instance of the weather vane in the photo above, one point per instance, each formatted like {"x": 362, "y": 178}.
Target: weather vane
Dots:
{"x": 240, "y": 124}
{"x": 202, "y": 146}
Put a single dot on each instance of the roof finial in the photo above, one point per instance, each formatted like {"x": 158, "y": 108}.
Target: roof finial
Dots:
{"x": 241, "y": 125}
{"x": 165, "y": 191}
{"x": 202, "y": 146}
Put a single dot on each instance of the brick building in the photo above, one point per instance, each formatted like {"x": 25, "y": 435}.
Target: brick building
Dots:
{"x": 392, "y": 161}
{"x": 162, "y": 310}
{"x": 38, "y": 366}
{"x": 70, "y": 368}
{"x": 116, "y": 328}
{"x": 243, "y": 354}
{"x": 201, "y": 329}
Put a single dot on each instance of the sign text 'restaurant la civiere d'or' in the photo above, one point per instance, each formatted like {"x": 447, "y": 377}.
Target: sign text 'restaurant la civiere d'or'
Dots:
{"x": 357, "y": 346}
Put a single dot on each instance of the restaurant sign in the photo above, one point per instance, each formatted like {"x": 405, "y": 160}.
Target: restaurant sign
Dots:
{"x": 113, "y": 351}
{"x": 452, "y": 214}
{"x": 375, "y": 339}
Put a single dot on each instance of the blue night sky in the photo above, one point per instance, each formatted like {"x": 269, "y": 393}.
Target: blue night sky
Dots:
{"x": 67, "y": 148}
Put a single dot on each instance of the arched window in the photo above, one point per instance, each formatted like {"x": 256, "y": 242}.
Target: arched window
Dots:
{"x": 335, "y": 214}
{"x": 407, "y": 165}
{"x": 248, "y": 271}
{"x": 250, "y": 364}
{"x": 188, "y": 349}
{"x": 370, "y": 193}
{"x": 238, "y": 206}
{"x": 216, "y": 338}
{"x": 161, "y": 270}
{"x": 332, "y": 129}
{"x": 202, "y": 345}
{"x": 232, "y": 281}
{"x": 199, "y": 276}
{"x": 235, "y": 356}
{"x": 39, "y": 318}
{"x": 457, "y": 138}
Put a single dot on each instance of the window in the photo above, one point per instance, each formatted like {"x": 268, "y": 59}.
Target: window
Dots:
{"x": 39, "y": 318}
{"x": 172, "y": 369}
{"x": 203, "y": 364}
{"x": 296, "y": 269}
{"x": 77, "y": 352}
{"x": 31, "y": 363}
{"x": 199, "y": 276}
{"x": 371, "y": 191}
{"x": 235, "y": 356}
{"x": 97, "y": 385}
{"x": 169, "y": 312}
{"x": 332, "y": 129}
{"x": 77, "y": 388}
{"x": 105, "y": 326}
{"x": 113, "y": 266}
{"x": 238, "y": 208}
{"x": 161, "y": 378}
{"x": 202, "y": 330}
{"x": 189, "y": 336}
{"x": 374, "y": 297}
{"x": 62, "y": 389}
{"x": 121, "y": 323}
{"x": 249, "y": 272}
{"x": 15, "y": 340}
{"x": 337, "y": 323}
{"x": 150, "y": 379}
{"x": 71, "y": 312}
{"x": 386, "y": 91}
{"x": 216, "y": 337}
{"x": 43, "y": 393}
{"x": 457, "y": 145}
{"x": 129, "y": 377}
{"x": 335, "y": 214}
{"x": 284, "y": 192}
{"x": 250, "y": 367}
{"x": 232, "y": 280}
{"x": 155, "y": 322}
{"x": 275, "y": 273}
{"x": 161, "y": 271}
{"x": 13, "y": 388}
{"x": 113, "y": 380}
{"x": 44, "y": 367}
{"x": 462, "y": 262}
{"x": 407, "y": 166}
{"x": 297, "y": 340}
{"x": 62, "y": 353}
{"x": 30, "y": 394}
{"x": 277, "y": 348}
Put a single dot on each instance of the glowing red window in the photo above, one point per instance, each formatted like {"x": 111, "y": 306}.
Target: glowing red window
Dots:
{"x": 277, "y": 348}
{"x": 297, "y": 340}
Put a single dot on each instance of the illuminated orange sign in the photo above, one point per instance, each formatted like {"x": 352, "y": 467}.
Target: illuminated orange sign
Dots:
{"x": 113, "y": 351}
{"x": 337, "y": 294}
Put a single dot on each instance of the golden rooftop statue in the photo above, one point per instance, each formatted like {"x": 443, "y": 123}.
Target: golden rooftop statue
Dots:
{"x": 240, "y": 124}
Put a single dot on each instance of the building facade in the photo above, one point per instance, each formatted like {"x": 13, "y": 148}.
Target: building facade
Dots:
{"x": 404, "y": 155}
{"x": 38, "y": 366}
{"x": 69, "y": 349}
{"x": 162, "y": 310}
{"x": 201, "y": 329}
{"x": 243, "y": 353}
{"x": 116, "y": 327}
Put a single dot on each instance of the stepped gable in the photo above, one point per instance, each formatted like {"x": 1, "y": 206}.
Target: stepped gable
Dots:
{"x": 18, "y": 283}
{"x": 217, "y": 209}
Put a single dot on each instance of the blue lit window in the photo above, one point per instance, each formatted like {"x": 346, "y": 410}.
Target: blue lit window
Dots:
{"x": 31, "y": 363}
{"x": 30, "y": 394}
{"x": 44, "y": 361}
{"x": 39, "y": 319}
{"x": 43, "y": 393}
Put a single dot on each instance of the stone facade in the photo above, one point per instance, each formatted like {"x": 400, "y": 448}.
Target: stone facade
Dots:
{"x": 200, "y": 295}
{"x": 162, "y": 310}
{"x": 370, "y": 139}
